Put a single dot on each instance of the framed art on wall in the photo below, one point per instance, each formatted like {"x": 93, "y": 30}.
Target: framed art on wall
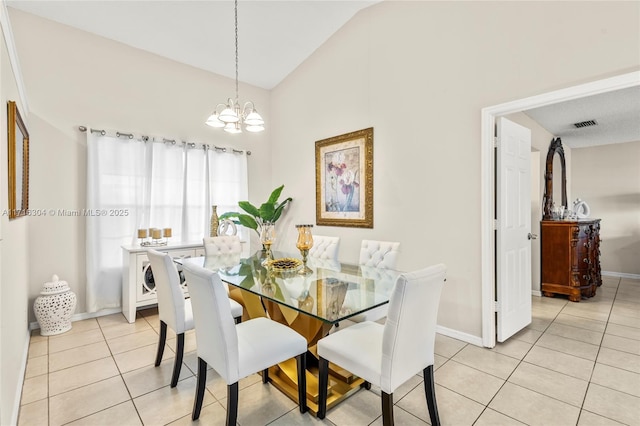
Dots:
{"x": 18, "y": 152}
{"x": 344, "y": 180}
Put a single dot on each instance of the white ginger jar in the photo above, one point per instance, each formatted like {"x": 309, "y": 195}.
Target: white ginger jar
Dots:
{"x": 54, "y": 307}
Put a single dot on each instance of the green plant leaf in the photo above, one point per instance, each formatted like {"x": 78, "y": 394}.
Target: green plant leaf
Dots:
{"x": 273, "y": 198}
{"x": 248, "y": 221}
{"x": 267, "y": 211}
{"x": 249, "y": 208}
{"x": 229, "y": 215}
{"x": 278, "y": 211}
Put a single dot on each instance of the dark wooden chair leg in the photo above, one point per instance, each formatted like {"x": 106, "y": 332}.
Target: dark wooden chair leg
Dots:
{"x": 387, "y": 409}
{"x": 200, "y": 387}
{"x": 430, "y": 391}
{"x": 265, "y": 375}
{"x": 232, "y": 404}
{"x": 161, "y": 342}
{"x": 301, "y": 361}
{"x": 323, "y": 382}
{"x": 177, "y": 365}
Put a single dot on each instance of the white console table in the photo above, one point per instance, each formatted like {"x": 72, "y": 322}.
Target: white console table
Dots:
{"x": 138, "y": 288}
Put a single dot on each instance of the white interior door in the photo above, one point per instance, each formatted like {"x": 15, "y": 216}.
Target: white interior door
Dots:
{"x": 513, "y": 244}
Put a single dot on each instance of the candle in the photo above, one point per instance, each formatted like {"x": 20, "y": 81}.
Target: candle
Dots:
{"x": 142, "y": 233}
{"x": 167, "y": 232}
{"x": 156, "y": 233}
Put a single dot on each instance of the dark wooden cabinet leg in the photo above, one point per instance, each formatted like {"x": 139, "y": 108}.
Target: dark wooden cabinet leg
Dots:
{"x": 430, "y": 391}
{"x": 161, "y": 342}
{"x": 200, "y": 387}
{"x": 265, "y": 375}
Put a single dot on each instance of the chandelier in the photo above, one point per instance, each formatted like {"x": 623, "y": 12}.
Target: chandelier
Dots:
{"x": 231, "y": 116}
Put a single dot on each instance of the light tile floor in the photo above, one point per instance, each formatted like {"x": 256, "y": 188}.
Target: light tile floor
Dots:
{"x": 576, "y": 364}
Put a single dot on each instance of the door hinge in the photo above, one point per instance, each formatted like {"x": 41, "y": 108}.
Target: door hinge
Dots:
{"x": 495, "y": 224}
{"x": 496, "y": 306}
{"x": 495, "y": 141}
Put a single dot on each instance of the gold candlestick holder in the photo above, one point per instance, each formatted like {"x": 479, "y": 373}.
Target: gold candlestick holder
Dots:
{"x": 304, "y": 244}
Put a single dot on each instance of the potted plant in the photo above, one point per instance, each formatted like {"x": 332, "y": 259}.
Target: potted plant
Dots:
{"x": 268, "y": 213}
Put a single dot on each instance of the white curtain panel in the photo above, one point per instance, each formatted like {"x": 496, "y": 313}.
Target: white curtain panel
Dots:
{"x": 135, "y": 185}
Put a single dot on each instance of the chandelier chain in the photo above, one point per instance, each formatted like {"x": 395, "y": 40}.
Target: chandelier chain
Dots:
{"x": 231, "y": 116}
{"x": 236, "y": 21}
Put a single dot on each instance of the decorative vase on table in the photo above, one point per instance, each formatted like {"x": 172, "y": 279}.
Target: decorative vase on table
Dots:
{"x": 267, "y": 238}
{"x": 54, "y": 307}
{"x": 215, "y": 221}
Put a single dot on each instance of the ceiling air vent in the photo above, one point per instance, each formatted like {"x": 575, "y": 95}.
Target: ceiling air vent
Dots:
{"x": 587, "y": 123}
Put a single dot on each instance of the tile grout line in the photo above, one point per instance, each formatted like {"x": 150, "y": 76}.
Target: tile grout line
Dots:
{"x": 111, "y": 355}
{"x": 521, "y": 360}
{"x": 595, "y": 362}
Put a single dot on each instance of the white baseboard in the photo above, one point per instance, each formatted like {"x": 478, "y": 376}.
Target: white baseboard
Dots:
{"x": 621, "y": 275}
{"x": 474, "y": 340}
{"x": 536, "y": 293}
{"x": 20, "y": 384}
{"x": 83, "y": 316}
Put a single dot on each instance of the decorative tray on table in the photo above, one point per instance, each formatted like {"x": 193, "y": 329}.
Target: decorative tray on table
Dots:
{"x": 284, "y": 266}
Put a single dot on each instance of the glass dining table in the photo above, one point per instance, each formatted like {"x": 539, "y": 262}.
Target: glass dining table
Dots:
{"x": 313, "y": 304}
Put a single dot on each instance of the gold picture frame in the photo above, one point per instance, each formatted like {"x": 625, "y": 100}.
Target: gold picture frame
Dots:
{"x": 344, "y": 180}
{"x": 18, "y": 152}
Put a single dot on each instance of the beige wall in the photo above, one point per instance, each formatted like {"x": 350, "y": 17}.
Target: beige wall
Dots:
{"x": 75, "y": 78}
{"x": 14, "y": 264}
{"x": 419, "y": 73}
{"x": 607, "y": 177}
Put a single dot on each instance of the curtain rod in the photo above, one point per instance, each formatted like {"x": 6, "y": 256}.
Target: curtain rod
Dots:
{"x": 164, "y": 140}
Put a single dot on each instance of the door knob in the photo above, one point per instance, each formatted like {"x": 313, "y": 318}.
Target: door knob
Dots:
{"x": 532, "y": 236}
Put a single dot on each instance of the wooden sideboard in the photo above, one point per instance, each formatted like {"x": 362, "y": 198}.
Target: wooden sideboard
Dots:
{"x": 138, "y": 287}
{"x": 570, "y": 257}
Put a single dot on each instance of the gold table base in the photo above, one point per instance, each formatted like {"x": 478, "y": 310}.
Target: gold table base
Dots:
{"x": 284, "y": 376}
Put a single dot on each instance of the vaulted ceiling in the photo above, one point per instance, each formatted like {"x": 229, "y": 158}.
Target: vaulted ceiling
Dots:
{"x": 275, "y": 37}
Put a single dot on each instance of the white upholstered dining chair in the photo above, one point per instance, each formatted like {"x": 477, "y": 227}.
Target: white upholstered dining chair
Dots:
{"x": 225, "y": 249}
{"x": 388, "y": 355}
{"x": 375, "y": 257}
{"x": 174, "y": 311}
{"x": 325, "y": 247}
{"x": 324, "y": 253}
{"x": 237, "y": 351}
{"x": 379, "y": 254}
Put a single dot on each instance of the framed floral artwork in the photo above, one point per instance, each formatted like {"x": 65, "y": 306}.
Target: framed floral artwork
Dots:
{"x": 344, "y": 180}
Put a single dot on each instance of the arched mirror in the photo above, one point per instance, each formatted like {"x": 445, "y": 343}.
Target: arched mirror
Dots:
{"x": 555, "y": 189}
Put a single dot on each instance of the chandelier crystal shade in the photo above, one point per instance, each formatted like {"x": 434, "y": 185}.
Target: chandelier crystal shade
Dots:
{"x": 231, "y": 116}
